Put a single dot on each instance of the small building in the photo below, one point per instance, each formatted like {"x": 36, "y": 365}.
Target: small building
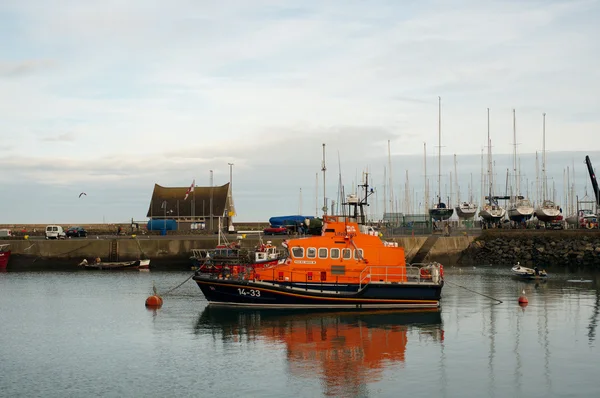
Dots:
{"x": 202, "y": 210}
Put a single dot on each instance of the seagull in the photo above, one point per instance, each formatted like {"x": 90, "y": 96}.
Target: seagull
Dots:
{"x": 83, "y": 193}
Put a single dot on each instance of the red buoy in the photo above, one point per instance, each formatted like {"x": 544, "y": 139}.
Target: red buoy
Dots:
{"x": 523, "y": 298}
{"x": 154, "y": 301}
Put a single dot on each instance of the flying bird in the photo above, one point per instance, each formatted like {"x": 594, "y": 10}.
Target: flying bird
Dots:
{"x": 83, "y": 193}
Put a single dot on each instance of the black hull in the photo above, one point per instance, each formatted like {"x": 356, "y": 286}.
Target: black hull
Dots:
{"x": 265, "y": 295}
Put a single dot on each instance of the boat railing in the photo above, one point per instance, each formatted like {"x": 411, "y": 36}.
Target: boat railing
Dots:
{"x": 418, "y": 272}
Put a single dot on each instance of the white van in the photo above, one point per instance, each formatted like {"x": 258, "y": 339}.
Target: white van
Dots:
{"x": 55, "y": 232}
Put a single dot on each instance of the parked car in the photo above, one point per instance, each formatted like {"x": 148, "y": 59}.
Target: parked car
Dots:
{"x": 55, "y": 232}
{"x": 276, "y": 231}
{"x": 76, "y": 232}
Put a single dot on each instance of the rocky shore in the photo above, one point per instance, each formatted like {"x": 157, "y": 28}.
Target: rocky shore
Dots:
{"x": 573, "y": 249}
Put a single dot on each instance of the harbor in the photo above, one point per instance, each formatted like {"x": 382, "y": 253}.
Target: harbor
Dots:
{"x": 72, "y": 334}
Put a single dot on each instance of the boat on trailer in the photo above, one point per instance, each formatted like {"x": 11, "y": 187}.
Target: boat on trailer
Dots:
{"x": 347, "y": 266}
{"x": 528, "y": 273}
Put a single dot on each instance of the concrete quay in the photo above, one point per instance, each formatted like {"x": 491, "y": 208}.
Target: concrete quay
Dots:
{"x": 173, "y": 253}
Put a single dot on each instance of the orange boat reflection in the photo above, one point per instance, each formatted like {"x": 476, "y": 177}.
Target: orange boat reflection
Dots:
{"x": 346, "y": 350}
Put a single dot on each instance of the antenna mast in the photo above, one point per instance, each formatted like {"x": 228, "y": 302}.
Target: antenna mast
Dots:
{"x": 390, "y": 185}
{"x": 323, "y": 169}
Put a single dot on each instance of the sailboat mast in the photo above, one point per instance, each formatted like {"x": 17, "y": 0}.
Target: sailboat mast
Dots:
{"x": 544, "y": 182}
{"x": 516, "y": 186}
{"x": 482, "y": 180}
{"x": 439, "y": 149}
{"x": 471, "y": 190}
{"x": 489, "y": 157}
{"x": 538, "y": 193}
{"x": 426, "y": 203}
{"x": 456, "y": 182}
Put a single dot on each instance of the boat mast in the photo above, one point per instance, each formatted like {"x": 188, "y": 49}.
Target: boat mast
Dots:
{"x": 439, "y": 149}
{"x": 544, "y": 181}
{"x": 489, "y": 166}
{"x": 317, "y": 195}
{"x": 407, "y": 195}
{"x": 538, "y": 193}
{"x": 516, "y": 192}
{"x": 323, "y": 169}
{"x": 482, "y": 183}
{"x": 471, "y": 190}
{"x": 426, "y": 204}
{"x": 457, "y": 186}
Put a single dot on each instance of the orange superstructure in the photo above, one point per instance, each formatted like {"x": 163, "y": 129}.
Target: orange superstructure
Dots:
{"x": 340, "y": 255}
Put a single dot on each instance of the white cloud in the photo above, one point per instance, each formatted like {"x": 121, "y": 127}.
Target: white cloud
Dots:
{"x": 142, "y": 90}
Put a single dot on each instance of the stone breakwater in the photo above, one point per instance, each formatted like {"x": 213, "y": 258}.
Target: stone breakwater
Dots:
{"x": 575, "y": 249}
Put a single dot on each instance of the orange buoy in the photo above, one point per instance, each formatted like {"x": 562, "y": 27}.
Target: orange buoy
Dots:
{"x": 154, "y": 301}
{"x": 523, "y": 298}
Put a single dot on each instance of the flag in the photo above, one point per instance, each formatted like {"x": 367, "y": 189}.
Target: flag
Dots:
{"x": 190, "y": 190}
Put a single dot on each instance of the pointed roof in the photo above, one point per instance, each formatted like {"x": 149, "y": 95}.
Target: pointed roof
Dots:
{"x": 197, "y": 204}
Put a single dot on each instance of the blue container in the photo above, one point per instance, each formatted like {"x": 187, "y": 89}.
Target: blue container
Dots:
{"x": 157, "y": 225}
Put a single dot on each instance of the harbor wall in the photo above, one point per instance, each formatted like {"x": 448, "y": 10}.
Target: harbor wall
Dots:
{"x": 169, "y": 253}
{"x": 564, "y": 249}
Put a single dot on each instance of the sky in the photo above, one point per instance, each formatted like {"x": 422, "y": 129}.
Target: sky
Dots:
{"x": 111, "y": 97}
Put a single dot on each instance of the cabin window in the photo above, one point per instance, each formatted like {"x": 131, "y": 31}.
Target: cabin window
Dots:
{"x": 358, "y": 254}
{"x": 311, "y": 252}
{"x": 335, "y": 253}
{"x": 329, "y": 230}
{"x": 338, "y": 270}
{"x": 347, "y": 254}
{"x": 298, "y": 252}
{"x": 322, "y": 252}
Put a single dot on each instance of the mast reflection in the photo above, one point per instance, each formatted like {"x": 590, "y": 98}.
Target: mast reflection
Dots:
{"x": 346, "y": 350}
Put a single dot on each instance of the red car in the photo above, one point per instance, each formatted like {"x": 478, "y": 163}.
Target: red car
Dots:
{"x": 276, "y": 231}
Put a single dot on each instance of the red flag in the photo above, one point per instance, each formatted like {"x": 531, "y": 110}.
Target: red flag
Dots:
{"x": 190, "y": 190}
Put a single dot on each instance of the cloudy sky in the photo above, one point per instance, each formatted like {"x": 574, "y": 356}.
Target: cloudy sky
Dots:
{"x": 110, "y": 97}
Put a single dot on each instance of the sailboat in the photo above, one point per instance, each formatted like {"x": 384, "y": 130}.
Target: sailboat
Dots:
{"x": 464, "y": 210}
{"x": 520, "y": 209}
{"x": 547, "y": 211}
{"x": 491, "y": 212}
{"x": 440, "y": 211}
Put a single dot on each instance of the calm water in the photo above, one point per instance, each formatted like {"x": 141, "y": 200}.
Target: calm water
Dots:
{"x": 83, "y": 334}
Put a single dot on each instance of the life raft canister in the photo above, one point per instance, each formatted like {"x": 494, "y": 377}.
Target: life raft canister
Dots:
{"x": 425, "y": 274}
{"x": 441, "y": 270}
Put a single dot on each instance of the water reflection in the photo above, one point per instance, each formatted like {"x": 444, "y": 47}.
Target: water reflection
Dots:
{"x": 347, "y": 350}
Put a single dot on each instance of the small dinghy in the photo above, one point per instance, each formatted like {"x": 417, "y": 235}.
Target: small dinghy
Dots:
{"x": 528, "y": 273}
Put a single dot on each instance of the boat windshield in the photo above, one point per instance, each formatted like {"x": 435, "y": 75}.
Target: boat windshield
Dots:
{"x": 524, "y": 203}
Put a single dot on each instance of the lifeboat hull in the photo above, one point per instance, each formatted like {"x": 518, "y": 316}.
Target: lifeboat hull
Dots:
{"x": 267, "y": 295}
